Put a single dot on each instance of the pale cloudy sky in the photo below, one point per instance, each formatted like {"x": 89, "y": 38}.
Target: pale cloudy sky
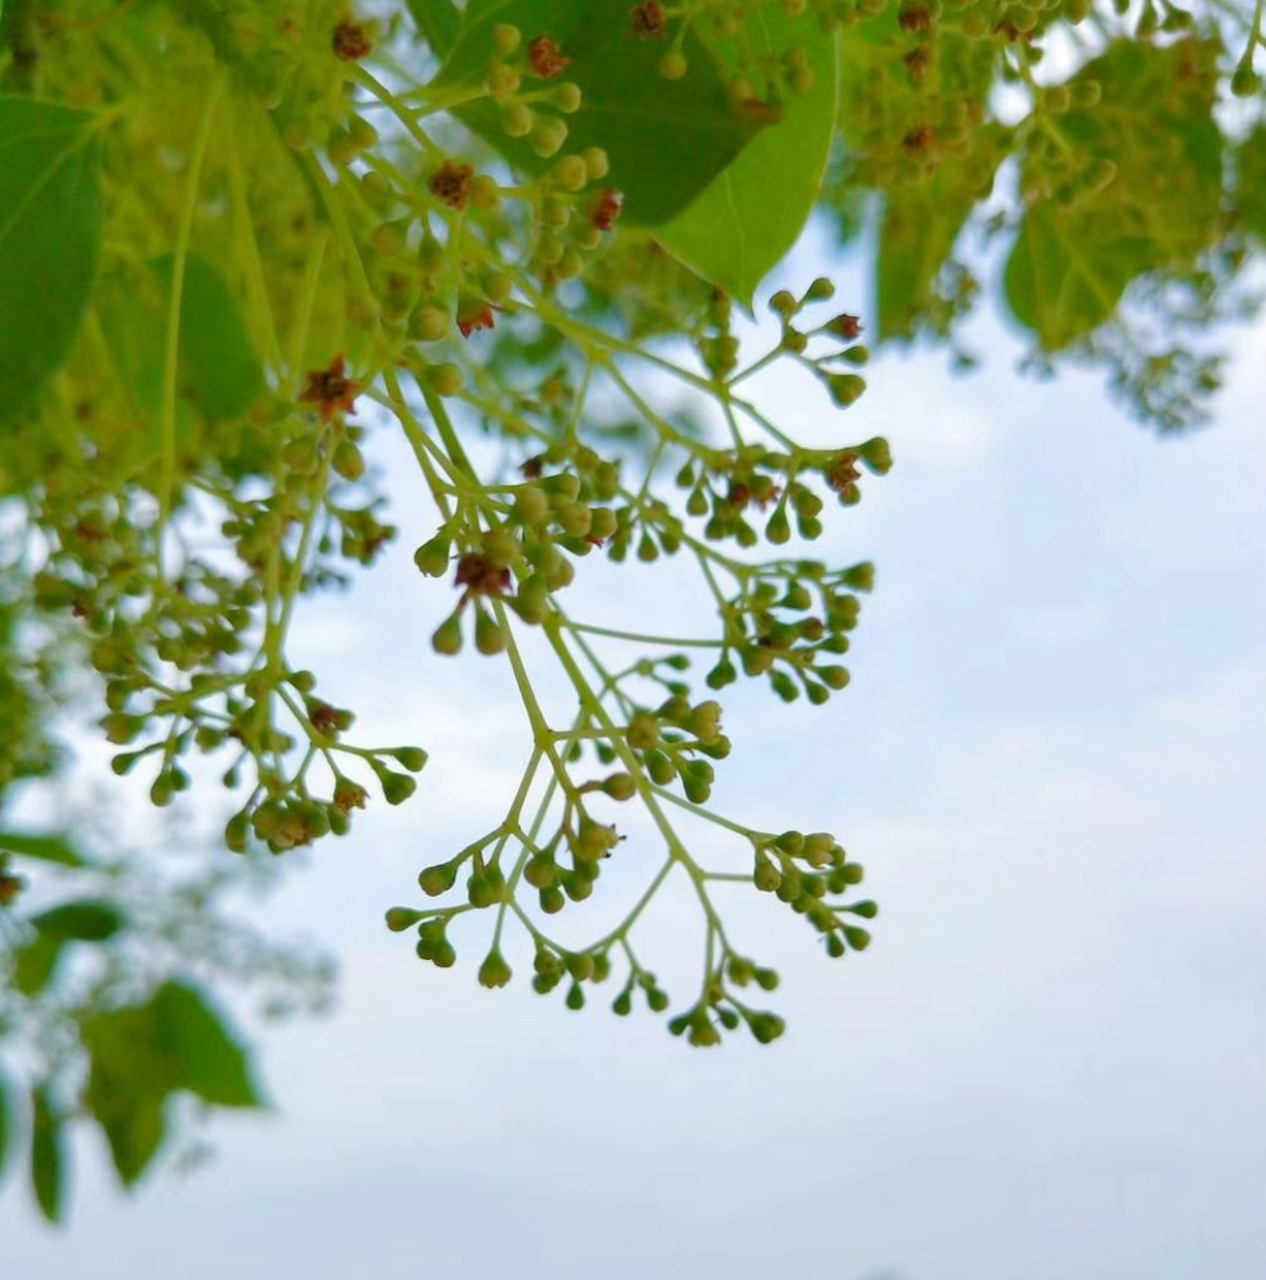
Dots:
{"x": 1051, "y": 1063}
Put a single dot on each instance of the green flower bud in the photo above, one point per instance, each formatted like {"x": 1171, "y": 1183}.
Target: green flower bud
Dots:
{"x": 237, "y": 833}
{"x": 835, "y": 947}
{"x": 479, "y": 892}
{"x": 593, "y": 841}
{"x": 877, "y": 455}
{"x": 622, "y": 1005}
{"x": 432, "y": 558}
{"x": 396, "y": 787}
{"x": 854, "y": 873}
{"x": 845, "y": 388}
{"x": 834, "y": 677}
{"x": 767, "y": 878}
{"x": 494, "y": 972}
{"x": 620, "y": 786}
{"x": 766, "y": 1027}
{"x": 859, "y": 577}
{"x": 444, "y": 956}
{"x": 1245, "y": 81}
{"x": 348, "y": 461}
{"x": 696, "y": 779}
{"x": 401, "y": 918}
{"x": 866, "y": 909}
{"x": 656, "y": 999}
{"x": 489, "y": 637}
{"x": 858, "y": 939}
{"x": 575, "y": 997}
{"x": 552, "y": 900}
{"x": 438, "y": 879}
{"x": 660, "y": 767}
{"x": 580, "y": 966}
{"x": 642, "y": 733}
{"x": 413, "y": 758}
{"x": 448, "y": 636}
{"x": 766, "y": 979}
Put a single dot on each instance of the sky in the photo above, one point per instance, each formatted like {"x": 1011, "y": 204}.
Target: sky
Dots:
{"x": 1050, "y": 1063}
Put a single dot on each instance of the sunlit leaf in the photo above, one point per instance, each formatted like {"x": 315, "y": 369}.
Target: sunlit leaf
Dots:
{"x": 920, "y": 226}
{"x": 50, "y": 230}
{"x": 1078, "y": 249}
{"x": 735, "y": 233}
{"x": 219, "y": 371}
{"x": 666, "y": 139}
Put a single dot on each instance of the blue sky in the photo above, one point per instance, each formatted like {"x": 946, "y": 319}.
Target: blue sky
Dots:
{"x": 1052, "y": 1061}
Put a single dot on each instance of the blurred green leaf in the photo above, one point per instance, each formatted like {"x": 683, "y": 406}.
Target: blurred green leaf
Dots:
{"x": 48, "y": 1157}
{"x": 206, "y": 1059}
{"x": 219, "y": 371}
{"x": 128, "y": 1082}
{"x": 1079, "y": 248}
{"x": 141, "y": 1054}
{"x": 44, "y": 848}
{"x": 734, "y": 233}
{"x": 50, "y": 232}
{"x": 35, "y": 962}
{"x": 438, "y": 21}
{"x": 921, "y": 224}
{"x": 666, "y": 139}
{"x": 85, "y": 921}
{"x": 1250, "y": 187}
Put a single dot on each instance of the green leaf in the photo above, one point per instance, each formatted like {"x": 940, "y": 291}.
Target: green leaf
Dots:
{"x": 921, "y": 224}
{"x": 751, "y": 215}
{"x": 35, "y": 963}
{"x": 438, "y": 21}
{"x": 219, "y": 371}
{"x": 1250, "y": 185}
{"x": 1078, "y": 250}
{"x": 141, "y": 1054}
{"x": 666, "y": 139}
{"x": 44, "y": 848}
{"x": 84, "y": 921}
{"x": 128, "y": 1081}
{"x": 50, "y": 231}
{"x": 205, "y": 1058}
{"x": 48, "y": 1157}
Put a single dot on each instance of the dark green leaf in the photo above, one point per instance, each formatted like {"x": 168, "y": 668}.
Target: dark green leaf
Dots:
{"x": 48, "y": 1157}
{"x": 45, "y": 848}
{"x": 219, "y": 371}
{"x": 738, "y": 229}
{"x": 205, "y": 1058}
{"x": 81, "y": 921}
{"x": 438, "y": 21}
{"x": 50, "y": 230}
{"x": 666, "y": 139}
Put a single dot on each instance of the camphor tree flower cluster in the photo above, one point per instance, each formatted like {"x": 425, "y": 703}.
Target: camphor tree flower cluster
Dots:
{"x": 237, "y": 232}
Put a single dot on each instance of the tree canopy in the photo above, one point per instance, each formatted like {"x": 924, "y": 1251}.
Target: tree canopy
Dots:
{"x": 241, "y": 239}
